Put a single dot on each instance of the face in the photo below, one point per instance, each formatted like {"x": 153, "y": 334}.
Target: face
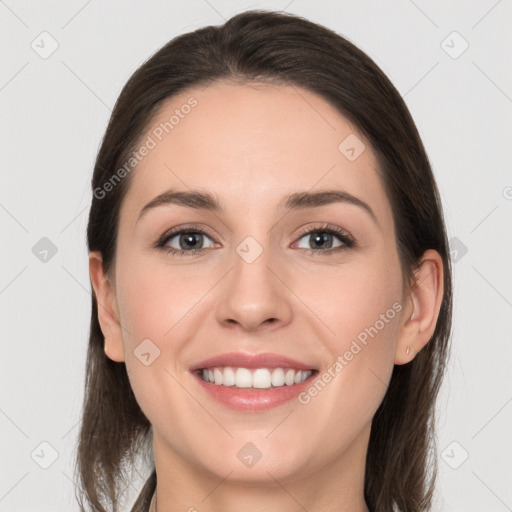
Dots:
{"x": 258, "y": 277}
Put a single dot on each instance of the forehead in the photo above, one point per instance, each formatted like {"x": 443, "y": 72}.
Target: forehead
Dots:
{"x": 252, "y": 144}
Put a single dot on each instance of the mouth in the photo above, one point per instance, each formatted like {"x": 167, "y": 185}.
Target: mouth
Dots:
{"x": 247, "y": 382}
{"x": 260, "y": 378}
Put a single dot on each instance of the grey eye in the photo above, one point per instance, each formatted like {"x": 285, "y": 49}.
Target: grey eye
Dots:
{"x": 187, "y": 240}
{"x": 320, "y": 240}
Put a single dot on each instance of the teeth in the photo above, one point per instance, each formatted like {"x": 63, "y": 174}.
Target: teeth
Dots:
{"x": 243, "y": 378}
{"x": 289, "y": 377}
{"x": 228, "y": 378}
{"x": 278, "y": 377}
{"x": 217, "y": 376}
{"x": 262, "y": 378}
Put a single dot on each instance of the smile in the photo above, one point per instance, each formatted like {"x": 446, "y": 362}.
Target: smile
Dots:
{"x": 260, "y": 378}
{"x": 247, "y": 382}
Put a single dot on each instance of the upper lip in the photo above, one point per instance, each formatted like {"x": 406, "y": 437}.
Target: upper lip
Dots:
{"x": 244, "y": 360}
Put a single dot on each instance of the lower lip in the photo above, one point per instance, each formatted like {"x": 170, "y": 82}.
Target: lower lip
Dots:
{"x": 247, "y": 399}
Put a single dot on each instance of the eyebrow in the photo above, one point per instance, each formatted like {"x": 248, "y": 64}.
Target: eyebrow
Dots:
{"x": 297, "y": 201}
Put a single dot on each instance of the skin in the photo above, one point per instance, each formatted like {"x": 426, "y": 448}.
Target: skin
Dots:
{"x": 252, "y": 145}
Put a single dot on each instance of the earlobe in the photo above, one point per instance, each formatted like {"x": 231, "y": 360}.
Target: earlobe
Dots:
{"x": 422, "y": 309}
{"x": 108, "y": 316}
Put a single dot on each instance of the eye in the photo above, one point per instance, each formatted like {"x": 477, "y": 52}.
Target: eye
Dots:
{"x": 325, "y": 239}
{"x": 190, "y": 240}
{"x": 184, "y": 241}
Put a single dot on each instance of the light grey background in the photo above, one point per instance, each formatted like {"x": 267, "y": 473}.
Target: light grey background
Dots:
{"x": 54, "y": 113}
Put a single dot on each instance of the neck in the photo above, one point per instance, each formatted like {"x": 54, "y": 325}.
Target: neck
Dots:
{"x": 338, "y": 486}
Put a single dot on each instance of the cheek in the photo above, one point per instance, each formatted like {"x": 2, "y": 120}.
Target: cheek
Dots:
{"x": 349, "y": 391}
{"x": 361, "y": 306}
{"x": 351, "y": 299}
{"x": 158, "y": 305}
{"x": 152, "y": 300}
{"x": 153, "y": 305}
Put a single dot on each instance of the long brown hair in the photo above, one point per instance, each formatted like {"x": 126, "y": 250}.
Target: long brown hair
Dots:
{"x": 274, "y": 47}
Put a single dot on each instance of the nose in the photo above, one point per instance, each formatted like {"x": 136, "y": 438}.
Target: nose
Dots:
{"x": 254, "y": 295}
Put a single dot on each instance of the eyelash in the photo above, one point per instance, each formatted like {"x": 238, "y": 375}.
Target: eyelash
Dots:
{"x": 343, "y": 236}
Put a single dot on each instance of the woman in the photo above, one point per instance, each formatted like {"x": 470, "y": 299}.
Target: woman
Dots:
{"x": 272, "y": 287}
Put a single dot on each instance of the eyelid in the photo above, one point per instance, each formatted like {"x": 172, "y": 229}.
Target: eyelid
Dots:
{"x": 345, "y": 237}
{"x": 199, "y": 228}
{"x": 330, "y": 228}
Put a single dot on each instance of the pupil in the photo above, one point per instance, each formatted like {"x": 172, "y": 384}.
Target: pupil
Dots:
{"x": 320, "y": 238}
{"x": 187, "y": 240}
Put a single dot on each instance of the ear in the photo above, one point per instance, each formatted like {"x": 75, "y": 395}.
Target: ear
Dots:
{"x": 422, "y": 308}
{"x": 108, "y": 315}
